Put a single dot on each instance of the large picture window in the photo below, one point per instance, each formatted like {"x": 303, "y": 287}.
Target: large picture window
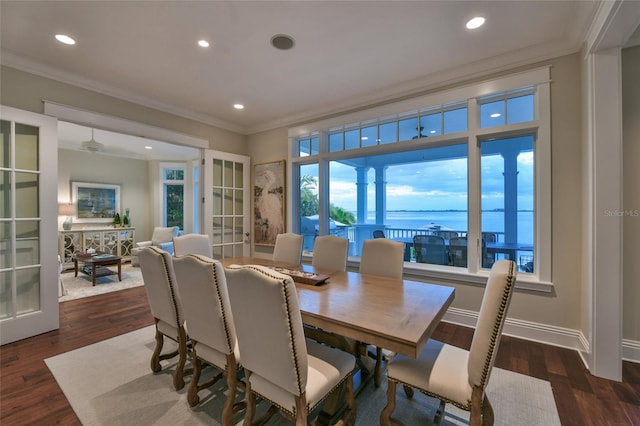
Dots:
{"x": 458, "y": 182}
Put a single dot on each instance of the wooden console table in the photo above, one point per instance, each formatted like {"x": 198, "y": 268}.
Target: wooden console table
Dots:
{"x": 116, "y": 241}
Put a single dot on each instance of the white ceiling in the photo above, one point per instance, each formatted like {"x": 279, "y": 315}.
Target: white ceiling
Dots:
{"x": 347, "y": 54}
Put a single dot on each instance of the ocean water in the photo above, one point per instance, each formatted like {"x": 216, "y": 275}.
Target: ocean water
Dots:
{"x": 492, "y": 221}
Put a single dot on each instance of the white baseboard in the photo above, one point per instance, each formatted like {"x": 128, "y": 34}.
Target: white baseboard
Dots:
{"x": 543, "y": 333}
{"x": 631, "y": 350}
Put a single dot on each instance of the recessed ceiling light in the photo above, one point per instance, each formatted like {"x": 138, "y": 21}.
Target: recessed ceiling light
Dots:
{"x": 238, "y": 106}
{"x": 148, "y": 147}
{"x": 495, "y": 115}
{"x": 475, "y": 22}
{"x": 203, "y": 43}
{"x": 282, "y": 41}
{"x": 63, "y": 38}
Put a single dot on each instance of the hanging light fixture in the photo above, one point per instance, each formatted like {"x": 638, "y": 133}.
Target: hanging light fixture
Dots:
{"x": 92, "y": 145}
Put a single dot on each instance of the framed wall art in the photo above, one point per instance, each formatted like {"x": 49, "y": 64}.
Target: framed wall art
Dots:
{"x": 95, "y": 202}
{"x": 269, "y": 202}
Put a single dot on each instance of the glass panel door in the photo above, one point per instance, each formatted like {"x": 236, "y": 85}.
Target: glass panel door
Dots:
{"x": 28, "y": 202}
{"x": 227, "y": 203}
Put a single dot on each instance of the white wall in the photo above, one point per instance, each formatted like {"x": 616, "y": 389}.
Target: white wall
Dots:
{"x": 130, "y": 174}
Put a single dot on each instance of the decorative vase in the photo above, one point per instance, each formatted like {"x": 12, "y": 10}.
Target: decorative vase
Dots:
{"x": 125, "y": 220}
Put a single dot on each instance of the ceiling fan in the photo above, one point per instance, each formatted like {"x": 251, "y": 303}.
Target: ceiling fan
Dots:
{"x": 92, "y": 145}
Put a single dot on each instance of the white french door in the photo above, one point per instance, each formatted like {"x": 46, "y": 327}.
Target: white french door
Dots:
{"x": 227, "y": 200}
{"x": 28, "y": 224}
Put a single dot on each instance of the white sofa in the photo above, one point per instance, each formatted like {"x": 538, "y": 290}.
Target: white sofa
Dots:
{"x": 161, "y": 237}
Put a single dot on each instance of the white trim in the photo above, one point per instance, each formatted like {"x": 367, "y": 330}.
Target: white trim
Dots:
{"x": 532, "y": 331}
{"x": 604, "y": 173}
{"x": 121, "y": 125}
{"x": 631, "y": 350}
{"x": 12, "y": 60}
{"x": 462, "y": 93}
{"x": 46, "y": 318}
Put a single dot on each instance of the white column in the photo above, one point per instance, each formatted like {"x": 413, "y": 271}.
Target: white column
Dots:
{"x": 604, "y": 226}
{"x": 381, "y": 194}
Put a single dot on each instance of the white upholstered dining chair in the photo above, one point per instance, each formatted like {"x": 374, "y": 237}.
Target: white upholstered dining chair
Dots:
{"x": 192, "y": 244}
{"x": 455, "y": 375}
{"x": 385, "y": 258}
{"x": 281, "y": 366}
{"x": 166, "y": 307}
{"x": 330, "y": 253}
{"x": 382, "y": 257}
{"x": 288, "y": 248}
{"x": 207, "y": 310}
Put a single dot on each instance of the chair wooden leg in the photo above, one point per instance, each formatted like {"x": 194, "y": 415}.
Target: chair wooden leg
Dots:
{"x": 350, "y": 416}
{"x": 192, "y": 393}
{"x": 301, "y": 410}
{"x": 487, "y": 412}
{"x": 232, "y": 369}
{"x": 408, "y": 391}
{"x": 250, "y": 398}
{"x": 155, "y": 358}
{"x": 178, "y": 376}
{"x": 475, "y": 418}
{"x": 385, "y": 416}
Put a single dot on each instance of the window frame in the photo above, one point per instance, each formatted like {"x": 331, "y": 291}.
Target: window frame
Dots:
{"x": 538, "y": 79}
{"x": 163, "y": 188}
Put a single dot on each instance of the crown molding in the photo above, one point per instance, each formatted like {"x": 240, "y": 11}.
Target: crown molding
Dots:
{"x": 27, "y": 65}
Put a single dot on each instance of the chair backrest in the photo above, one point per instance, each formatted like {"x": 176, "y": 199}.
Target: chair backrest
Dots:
{"x": 382, "y": 257}
{"x": 458, "y": 251}
{"x": 489, "y": 237}
{"x": 192, "y": 244}
{"x": 205, "y": 301}
{"x": 159, "y": 279}
{"x": 330, "y": 253}
{"x": 493, "y": 312}
{"x": 378, "y": 234}
{"x": 288, "y": 248}
{"x": 447, "y": 235}
{"x": 430, "y": 249}
{"x": 268, "y": 324}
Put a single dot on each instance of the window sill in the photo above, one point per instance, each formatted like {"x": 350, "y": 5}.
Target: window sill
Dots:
{"x": 447, "y": 275}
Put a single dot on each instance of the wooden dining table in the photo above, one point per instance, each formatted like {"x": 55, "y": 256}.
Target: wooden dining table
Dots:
{"x": 395, "y": 314}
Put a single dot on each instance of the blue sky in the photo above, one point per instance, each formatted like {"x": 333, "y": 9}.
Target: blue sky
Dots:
{"x": 435, "y": 185}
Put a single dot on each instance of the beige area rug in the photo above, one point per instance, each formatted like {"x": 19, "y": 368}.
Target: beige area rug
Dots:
{"x": 80, "y": 286}
{"x": 111, "y": 383}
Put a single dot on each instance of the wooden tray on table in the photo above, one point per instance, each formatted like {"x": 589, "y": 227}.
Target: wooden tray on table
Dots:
{"x": 302, "y": 277}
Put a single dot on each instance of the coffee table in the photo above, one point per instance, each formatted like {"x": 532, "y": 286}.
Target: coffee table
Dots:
{"x": 98, "y": 262}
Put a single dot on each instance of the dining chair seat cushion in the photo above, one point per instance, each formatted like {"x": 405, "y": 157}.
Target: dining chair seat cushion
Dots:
{"x": 439, "y": 369}
{"x": 326, "y": 368}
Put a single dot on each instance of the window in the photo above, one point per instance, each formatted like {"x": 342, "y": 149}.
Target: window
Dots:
{"x": 173, "y": 195}
{"x": 465, "y": 170}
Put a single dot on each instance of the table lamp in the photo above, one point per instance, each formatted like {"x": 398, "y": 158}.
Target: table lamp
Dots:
{"x": 66, "y": 209}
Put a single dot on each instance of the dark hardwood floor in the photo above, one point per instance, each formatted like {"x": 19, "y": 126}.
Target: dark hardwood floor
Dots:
{"x": 30, "y": 394}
